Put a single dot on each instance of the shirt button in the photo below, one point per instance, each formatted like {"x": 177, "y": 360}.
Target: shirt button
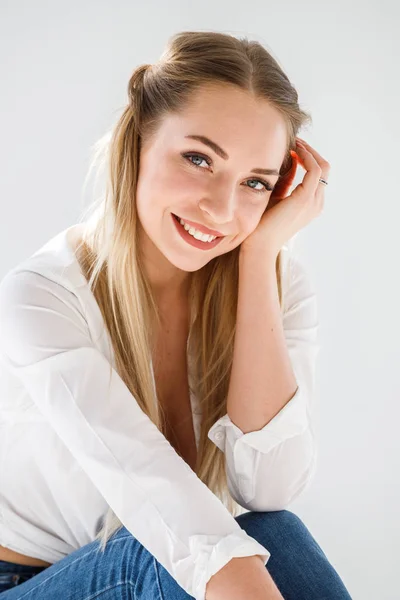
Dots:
{"x": 219, "y": 435}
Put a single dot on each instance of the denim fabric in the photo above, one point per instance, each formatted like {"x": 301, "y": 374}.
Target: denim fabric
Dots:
{"x": 127, "y": 571}
{"x": 12, "y": 574}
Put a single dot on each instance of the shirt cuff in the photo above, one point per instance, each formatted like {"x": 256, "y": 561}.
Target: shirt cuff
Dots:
{"x": 291, "y": 420}
{"x": 212, "y": 553}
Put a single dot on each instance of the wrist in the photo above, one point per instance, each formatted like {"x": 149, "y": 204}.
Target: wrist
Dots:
{"x": 254, "y": 255}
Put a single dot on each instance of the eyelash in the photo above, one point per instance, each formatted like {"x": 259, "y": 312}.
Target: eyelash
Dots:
{"x": 267, "y": 186}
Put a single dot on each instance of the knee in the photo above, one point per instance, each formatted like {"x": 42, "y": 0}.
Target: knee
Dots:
{"x": 279, "y": 518}
{"x": 269, "y": 528}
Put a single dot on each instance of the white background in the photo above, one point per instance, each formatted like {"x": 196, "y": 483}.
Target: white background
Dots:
{"x": 65, "y": 66}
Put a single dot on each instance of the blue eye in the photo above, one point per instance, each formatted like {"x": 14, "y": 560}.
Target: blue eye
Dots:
{"x": 267, "y": 187}
{"x": 189, "y": 156}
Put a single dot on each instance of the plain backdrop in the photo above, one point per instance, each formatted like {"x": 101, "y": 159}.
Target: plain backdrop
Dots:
{"x": 65, "y": 66}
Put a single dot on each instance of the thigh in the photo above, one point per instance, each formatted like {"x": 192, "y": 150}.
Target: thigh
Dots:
{"x": 126, "y": 570}
{"x": 87, "y": 573}
{"x": 298, "y": 565}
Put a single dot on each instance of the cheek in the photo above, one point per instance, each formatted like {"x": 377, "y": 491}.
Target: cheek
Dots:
{"x": 188, "y": 183}
{"x": 175, "y": 184}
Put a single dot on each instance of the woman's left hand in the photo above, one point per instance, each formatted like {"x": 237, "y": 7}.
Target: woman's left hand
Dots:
{"x": 284, "y": 217}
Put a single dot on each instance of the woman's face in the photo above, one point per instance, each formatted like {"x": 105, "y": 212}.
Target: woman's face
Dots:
{"x": 183, "y": 176}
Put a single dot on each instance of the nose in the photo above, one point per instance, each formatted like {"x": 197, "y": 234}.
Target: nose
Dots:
{"x": 219, "y": 206}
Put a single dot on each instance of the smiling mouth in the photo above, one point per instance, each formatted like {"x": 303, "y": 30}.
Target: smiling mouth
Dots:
{"x": 179, "y": 221}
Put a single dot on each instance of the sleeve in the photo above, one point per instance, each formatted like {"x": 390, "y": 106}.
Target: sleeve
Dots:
{"x": 268, "y": 468}
{"x": 45, "y": 340}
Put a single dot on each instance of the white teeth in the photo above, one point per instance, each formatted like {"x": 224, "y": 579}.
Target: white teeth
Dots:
{"x": 197, "y": 234}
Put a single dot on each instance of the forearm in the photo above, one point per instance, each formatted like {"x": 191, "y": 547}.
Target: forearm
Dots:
{"x": 262, "y": 380}
{"x": 241, "y": 579}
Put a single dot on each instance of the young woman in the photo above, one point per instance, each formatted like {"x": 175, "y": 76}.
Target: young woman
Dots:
{"x": 158, "y": 357}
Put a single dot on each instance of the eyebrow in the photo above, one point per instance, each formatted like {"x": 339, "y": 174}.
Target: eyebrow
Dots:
{"x": 218, "y": 150}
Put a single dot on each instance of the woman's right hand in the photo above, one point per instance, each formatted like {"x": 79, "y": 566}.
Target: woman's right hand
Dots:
{"x": 244, "y": 578}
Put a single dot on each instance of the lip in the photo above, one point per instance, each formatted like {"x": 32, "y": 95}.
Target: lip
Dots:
{"x": 201, "y": 227}
{"x": 192, "y": 241}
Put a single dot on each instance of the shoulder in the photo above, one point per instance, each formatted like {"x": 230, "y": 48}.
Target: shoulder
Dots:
{"x": 53, "y": 265}
{"x": 43, "y": 302}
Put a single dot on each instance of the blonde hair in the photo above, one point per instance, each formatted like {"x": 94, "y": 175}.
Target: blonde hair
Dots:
{"x": 110, "y": 257}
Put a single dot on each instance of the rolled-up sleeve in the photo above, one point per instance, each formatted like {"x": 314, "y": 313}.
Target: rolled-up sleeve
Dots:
{"x": 45, "y": 340}
{"x": 268, "y": 468}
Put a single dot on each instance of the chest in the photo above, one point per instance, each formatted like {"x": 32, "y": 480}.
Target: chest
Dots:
{"x": 171, "y": 378}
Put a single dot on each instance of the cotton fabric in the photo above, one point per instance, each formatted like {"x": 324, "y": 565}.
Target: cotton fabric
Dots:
{"x": 73, "y": 440}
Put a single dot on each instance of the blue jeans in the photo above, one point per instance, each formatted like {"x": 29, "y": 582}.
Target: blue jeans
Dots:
{"x": 126, "y": 570}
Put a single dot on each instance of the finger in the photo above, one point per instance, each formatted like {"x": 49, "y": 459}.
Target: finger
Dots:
{"x": 313, "y": 171}
{"x": 319, "y": 194}
{"x": 325, "y": 170}
{"x": 323, "y": 163}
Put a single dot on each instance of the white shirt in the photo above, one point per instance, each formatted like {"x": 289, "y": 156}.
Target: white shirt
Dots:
{"x": 74, "y": 441}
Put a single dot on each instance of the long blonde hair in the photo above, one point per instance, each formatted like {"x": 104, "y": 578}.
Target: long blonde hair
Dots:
{"x": 109, "y": 254}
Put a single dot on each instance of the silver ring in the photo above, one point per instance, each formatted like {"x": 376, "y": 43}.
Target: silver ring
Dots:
{"x": 323, "y": 181}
